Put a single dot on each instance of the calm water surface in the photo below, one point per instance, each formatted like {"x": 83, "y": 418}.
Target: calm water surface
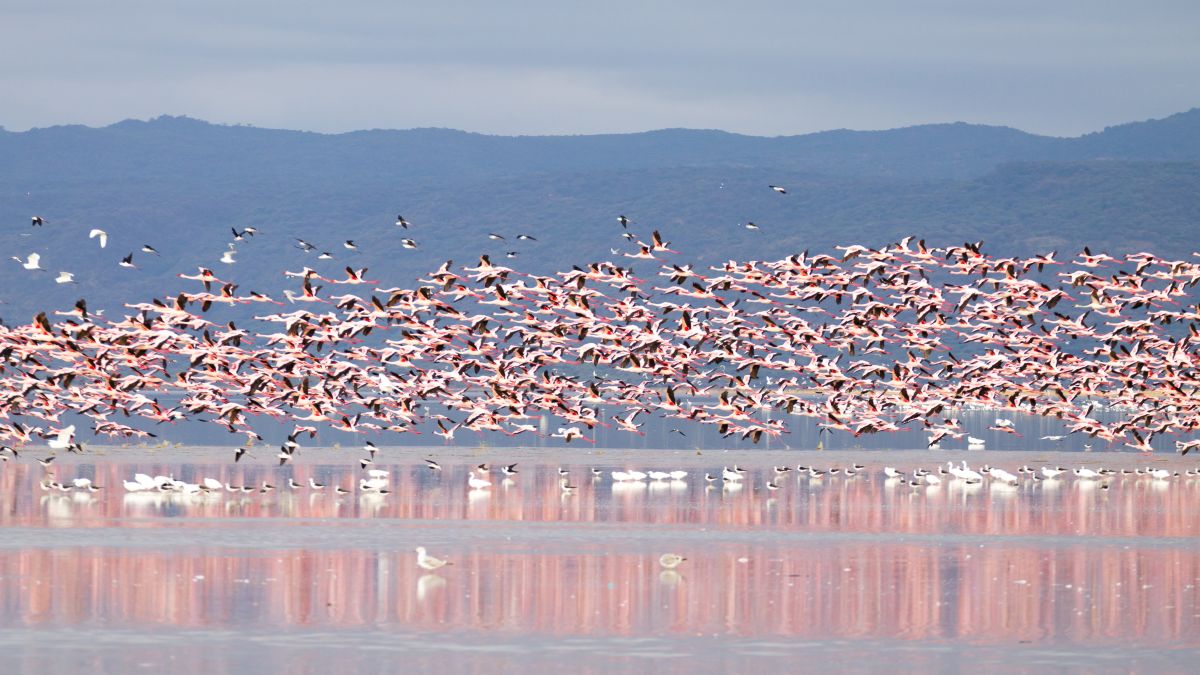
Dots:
{"x": 855, "y": 573}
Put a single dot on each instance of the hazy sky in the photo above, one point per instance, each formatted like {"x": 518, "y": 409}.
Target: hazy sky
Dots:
{"x": 560, "y": 67}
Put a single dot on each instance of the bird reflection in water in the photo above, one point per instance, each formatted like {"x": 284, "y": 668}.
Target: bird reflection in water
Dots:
{"x": 827, "y": 558}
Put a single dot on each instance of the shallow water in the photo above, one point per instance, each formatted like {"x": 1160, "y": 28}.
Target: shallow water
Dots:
{"x": 860, "y": 572}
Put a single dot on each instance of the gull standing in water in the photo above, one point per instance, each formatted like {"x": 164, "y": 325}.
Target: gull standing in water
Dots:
{"x": 477, "y": 483}
{"x": 670, "y": 561}
{"x": 428, "y": 562}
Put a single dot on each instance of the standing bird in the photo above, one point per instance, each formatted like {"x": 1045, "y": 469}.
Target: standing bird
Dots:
{"x": 670, "y": 561}
{"x": 428, "y": 562}
{"x": 477, "y": 483}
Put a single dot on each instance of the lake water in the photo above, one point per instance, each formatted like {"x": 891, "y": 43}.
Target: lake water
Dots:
{"x": 841, "y": 573}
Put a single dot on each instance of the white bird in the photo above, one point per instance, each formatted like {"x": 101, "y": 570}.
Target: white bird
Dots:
{"x": 213, "y": 484}
{"x": 1002, "y": 475}
{"x": 82, "y": 483}
{"x": 670, "y": 561}
{"x": 975, "y": 443}
{"x": 227, "y": 257}
{"x": 659, "y": 475}
{"x": 477, "y": 483}
{"x": 965, "y": 473}
{"x": 931, "y": 479}
{"x": 372, "y": 484}
{"x": 97, "y": 232}
{"x": 31, "y": 263}
{"x": 65, "y": 278}
{"x": 780, "y": 190}
{"x": 568, "y": 434}
{"x": 428, "y": 562}
{"x": 63, "y": 440}
{"x": 678, "y": 475}
{"x": 1086, "y": 473}
{"x": 891, "y": 472}
{"x": 1049, "y": 472}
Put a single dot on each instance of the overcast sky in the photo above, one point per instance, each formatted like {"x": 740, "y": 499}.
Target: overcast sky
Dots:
{"x": 560, "y": 67}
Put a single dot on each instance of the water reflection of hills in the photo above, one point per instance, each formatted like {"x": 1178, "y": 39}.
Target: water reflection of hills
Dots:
{"x": 839, "y": 559}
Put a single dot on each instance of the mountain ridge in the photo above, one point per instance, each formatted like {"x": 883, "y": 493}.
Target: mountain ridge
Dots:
{"x": 180, "y": 184}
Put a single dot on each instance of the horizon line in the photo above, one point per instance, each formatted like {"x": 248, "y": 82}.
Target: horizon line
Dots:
{"x": 185, "y": 117}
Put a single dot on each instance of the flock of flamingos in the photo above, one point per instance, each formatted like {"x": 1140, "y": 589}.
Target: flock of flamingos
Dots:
{"x": 863, "y": 341}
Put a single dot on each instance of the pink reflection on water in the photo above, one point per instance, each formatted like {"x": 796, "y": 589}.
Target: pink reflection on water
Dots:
{"x": 836, "y": 559}
{"x": 996, "y": 594}
{"x": 1133, "y": 506}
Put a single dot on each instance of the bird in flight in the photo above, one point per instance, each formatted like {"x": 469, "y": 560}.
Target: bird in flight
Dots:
{"x": 97, "y": 232}
{"x": 780, "y": 190}
{"x": 31, "y": 263}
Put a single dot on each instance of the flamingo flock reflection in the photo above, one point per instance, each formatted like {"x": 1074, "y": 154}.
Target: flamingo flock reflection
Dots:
{"x": 854, "y": 557}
